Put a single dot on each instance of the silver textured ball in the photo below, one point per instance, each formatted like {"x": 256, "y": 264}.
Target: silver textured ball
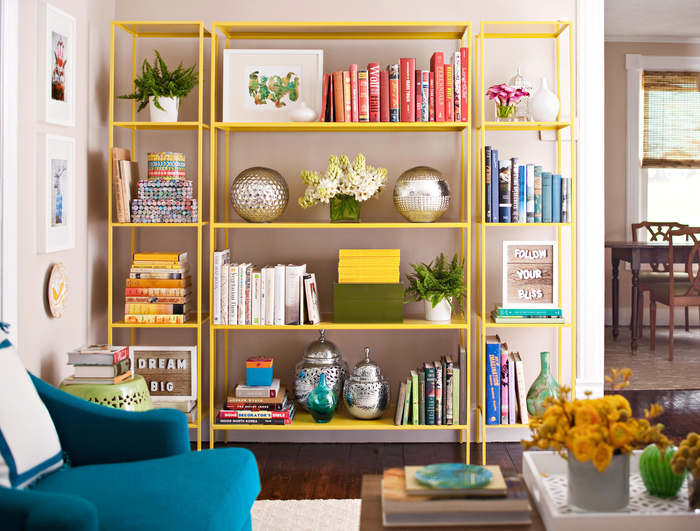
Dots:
{"x": 259, "y": 194}
{"x": 421, "y": 194}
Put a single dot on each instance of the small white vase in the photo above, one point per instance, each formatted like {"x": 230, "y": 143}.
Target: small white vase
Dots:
{"x": 544, "y": 104}
{"x": 441, "y": 312}
{"x": 303, "y": 114}
{"x": 170, "y": 105}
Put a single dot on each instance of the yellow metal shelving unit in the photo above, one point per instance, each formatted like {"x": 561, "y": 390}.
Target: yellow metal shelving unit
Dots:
{"x": 230, "y": 32}
{"x": 158, "y": 30}
{"x": 561, "y": 35}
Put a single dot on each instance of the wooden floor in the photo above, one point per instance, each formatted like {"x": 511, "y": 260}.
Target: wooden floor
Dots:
{"x": 334, "y": 471}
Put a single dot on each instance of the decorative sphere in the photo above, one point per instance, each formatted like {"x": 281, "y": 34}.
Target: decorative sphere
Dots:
{"x": 421, "y": 194}
{"x": 259, "y": 194}
{"x": 656, "y": 472}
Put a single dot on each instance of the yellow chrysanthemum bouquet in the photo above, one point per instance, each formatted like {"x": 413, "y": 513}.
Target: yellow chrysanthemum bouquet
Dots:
{"x": 595, "y": 429}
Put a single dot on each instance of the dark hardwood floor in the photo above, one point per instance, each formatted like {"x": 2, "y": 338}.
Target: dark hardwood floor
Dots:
{"x": 334, "y": 471}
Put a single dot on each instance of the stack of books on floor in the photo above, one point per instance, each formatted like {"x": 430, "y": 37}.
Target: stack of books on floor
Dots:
{"x": 369, "y": 266}
{"x": 501, "y": 315}
{"x": 258, "y": 404}
{"x": 99, "y": 364}
{"x": 408, "y": 503}
{"x": 158, "y": 290}
{"x": 188, "y": 407}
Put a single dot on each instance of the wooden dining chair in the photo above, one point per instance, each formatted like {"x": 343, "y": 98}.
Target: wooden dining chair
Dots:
{"x": 658, "y": 231}
{"x": 685, "y": 293}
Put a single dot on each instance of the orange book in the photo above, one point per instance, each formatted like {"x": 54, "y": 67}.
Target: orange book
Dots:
{"x": 449, "y": 93}
{"x": 155, "y": 319}
{"x": 338, "y": 94}
{"x": 437, "y": 64}
{"x": 158, "y": 282}
{"x": 384, "y": 96}
{"x": 354, "y": 95}
{"x": 363, "y": 95}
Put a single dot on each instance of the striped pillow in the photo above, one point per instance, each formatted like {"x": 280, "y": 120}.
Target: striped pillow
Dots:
{"x": 29, "y": 444}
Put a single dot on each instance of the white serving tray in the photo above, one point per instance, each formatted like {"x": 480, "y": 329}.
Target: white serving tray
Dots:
{"x": 545, "y": 474}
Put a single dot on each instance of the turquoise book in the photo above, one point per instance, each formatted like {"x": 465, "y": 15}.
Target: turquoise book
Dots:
{"x": 493, "y": 380}
{"x": 538, "y": 194}
{"x": 429, "y": 393}
{"x": 546, "y": 197}
{"x": 556, "y": 198}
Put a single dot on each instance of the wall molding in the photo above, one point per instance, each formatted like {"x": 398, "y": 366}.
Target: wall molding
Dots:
{"x": 653, "y": 40}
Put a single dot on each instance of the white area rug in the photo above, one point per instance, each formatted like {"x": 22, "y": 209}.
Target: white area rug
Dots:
{"x": 306, "y": 515}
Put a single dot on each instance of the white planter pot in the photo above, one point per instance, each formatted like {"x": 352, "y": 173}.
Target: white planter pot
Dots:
{"x": 169, "y": 104}
{"x": 544, "y": 104}
{"x": 441, "y": 312}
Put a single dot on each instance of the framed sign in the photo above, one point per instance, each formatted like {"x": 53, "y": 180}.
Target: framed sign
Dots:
{"x": 170, "y": 372}
{"x": 530, "y": 274}
{"x": 265, "y": 85}
{"x": 58, "y": 65}
{"x": 56, "y": 194}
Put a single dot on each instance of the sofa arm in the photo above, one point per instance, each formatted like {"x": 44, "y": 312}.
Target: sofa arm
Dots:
{"x": 42, "y": 511}
{"x": 92, "y": 433}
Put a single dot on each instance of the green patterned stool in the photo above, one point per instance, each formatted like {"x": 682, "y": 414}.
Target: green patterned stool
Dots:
{"x": 131, "y": 395}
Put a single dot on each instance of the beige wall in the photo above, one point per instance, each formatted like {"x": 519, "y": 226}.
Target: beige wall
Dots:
{"x": 616, "y": 155}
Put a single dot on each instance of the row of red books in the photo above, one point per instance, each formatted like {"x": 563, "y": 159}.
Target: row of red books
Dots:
{"x": 400, "y": 93}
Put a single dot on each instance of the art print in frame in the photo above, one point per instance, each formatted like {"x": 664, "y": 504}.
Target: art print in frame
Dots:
{"x": 530, "y": 278}
{"x": 265, "y": 85}
{"x": 56, "y": 227}
{"x": 170, "y": 372}
{"x": 58, "y": 67}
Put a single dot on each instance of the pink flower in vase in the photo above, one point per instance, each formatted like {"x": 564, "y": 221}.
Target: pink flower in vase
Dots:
{"x": 506, "y": 95}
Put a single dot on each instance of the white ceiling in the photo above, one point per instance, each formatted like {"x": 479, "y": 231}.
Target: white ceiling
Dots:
{"x": 653, "y": 20}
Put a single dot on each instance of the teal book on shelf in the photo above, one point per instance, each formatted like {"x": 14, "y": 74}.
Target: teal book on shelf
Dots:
{"x": 493, "y": 380}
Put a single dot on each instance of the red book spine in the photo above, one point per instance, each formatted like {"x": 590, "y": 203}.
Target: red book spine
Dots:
{"x": 324, "y": 102}
{"x": 331, "y": 99}
{"x": 437, "y": 64}
{"x": 383, "y": 96}
{"x": 431, "y": 91}
{"x": 407, "y": 91}
{"x": 449, "y": 93}
{"x": 374, "y": 95}
{"x": 464, "y": 79}
{"x": 363, "y": 95}
{"x": 338, "y": 92}
{"x": 394, "y": 115}
{"x": 419, "y": 94}
{"x": 347, "y": 96}
{"x": 354, "y": 95}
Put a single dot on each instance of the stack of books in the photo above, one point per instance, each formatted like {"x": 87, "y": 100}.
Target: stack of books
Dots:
{"x": 99, "y": 364}
{"x": 258, "y": 404}
{"x": 369, "y": 266}
{"x": 406, "y": 502}
{"x": 506, "y": 394}
{"x": 503, "y": 315}
{"x": 158, "y": 290}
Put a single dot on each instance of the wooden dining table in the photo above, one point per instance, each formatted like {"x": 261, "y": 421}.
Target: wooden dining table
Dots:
{"x": 636, "y": 254}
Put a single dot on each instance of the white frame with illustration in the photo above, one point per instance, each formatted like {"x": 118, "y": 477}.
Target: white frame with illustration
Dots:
{"x": 192, "y": 352}
{"x": 55, "y": 23}
{"x": 56, "y": 235}
{"x": 238, "y": 104}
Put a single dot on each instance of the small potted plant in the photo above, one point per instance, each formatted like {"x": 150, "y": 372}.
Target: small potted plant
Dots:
{"x": 507, "y": 99}
{"x": 161, "y": 88}
{"x": 437, "y": 283}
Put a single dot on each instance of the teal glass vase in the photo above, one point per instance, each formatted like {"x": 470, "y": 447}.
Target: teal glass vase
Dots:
{"x": 542, "y": 388}
{"x": 656, "y": 472}
{"x": 344, "y": 209}
{"x": 322, "y": 401}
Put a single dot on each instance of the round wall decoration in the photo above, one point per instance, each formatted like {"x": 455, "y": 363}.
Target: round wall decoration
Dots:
{"x": 58, "y": 289}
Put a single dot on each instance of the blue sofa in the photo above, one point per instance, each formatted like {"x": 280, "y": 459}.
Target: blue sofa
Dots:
{"x": 131, "y": 471}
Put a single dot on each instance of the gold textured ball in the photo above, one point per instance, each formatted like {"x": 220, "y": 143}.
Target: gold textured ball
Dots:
{"x": 421, "y": 194}
{"x": 259, "y": 195}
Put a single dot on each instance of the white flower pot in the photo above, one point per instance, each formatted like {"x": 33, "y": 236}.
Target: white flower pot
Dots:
{"x": 544, "y": 104}
{"x": 170, "y": 105}
{"x": 441, "y": 312}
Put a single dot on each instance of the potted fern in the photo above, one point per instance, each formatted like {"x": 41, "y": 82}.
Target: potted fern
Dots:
{"x": 437, "y": 284}
{"x": 161, "y": 88}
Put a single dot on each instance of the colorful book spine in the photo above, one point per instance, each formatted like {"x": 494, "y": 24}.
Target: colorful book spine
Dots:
{"x": 354, "y": 94}
{"x": 538, "y": 194}
{"x": 546, "y": 197}
{"x": 162, "y": 300}
{"x": 338, "y": 95}
{"x": 530, "y": 193}
{"x": 155, "y": 318}
{"x": 512, "y": 392}
{"x": 363, "y": 90}
{"x": 407, "y": 403}
{"x": 495, "y": 192}
{"x": 394, "y": 109}
{"x": 400, "y": 401}
{"x": 415, "y": 417}
{"x": 233, "y": 286}
{"x": 407, "y": 89}
{"x": 566, "y": 199}
{"x": 514, "y": 188}
{"x": 493, "y": 380}
{"x": 429, "y": 394}
{"x": 431, "y": 96}
{"x": 437, "y": 64}
{"x": 464, "y": 78}
{"x": 157, "y": 292}
{"x": 374, "y": 91}
{"x": 456, "y": 64}
{"x": 324, "y": 101}
{"x": 418, "y": 77}
{"x": 384, "y": 97}
{"x": 516, "y": 312}
{"x": 487, "y": 184}
{"x": 347, "y": 96}
{"x": 504, "y": 385}
{"x": 449, "y": 92}
{"x": 438, "y": 393}
{"x": 556, "y": 198}
{"x": 522, "y": 194}
{"x": 158, "y": 283}
{"x": 151, "y": 308}
{"x": 255, "y": 421}
{"x": 251, "y": 414}
{"x": 421, "y": 396}
{"x": 425, "y": 96}
{"x": 504, "y": 195}
{"x": 448, "y": 390}
{"x": 256, "y": 298}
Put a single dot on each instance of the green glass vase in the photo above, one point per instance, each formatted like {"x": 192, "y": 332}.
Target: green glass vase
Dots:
{"x": 322, "y": 401}
{"x": 344, "y": 209}
{"x": 656, "y": 472}
{"x": 543, "y": 387}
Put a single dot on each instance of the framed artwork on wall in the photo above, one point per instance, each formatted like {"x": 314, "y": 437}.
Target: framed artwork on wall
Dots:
{"x": 56, "y": 194}
{"x": 530, "y": 277}
{"x": 265, "y": 85}
{"x": 58, "y": 66}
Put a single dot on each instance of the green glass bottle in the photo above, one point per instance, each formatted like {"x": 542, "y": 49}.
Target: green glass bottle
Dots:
{"x": 543, "y": 387}
{"x": 322, "y": 401}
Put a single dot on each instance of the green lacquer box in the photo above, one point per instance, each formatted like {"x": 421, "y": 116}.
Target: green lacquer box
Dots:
{"x": 368, "y": 303}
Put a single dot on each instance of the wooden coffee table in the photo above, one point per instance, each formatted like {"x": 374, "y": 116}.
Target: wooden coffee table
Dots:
{"x": 371, "y": 512}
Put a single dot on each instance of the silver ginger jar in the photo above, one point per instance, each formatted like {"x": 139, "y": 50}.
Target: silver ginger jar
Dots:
{"x": 259, "y": 194}
{"x": 366, "y": 393}
{"x": 421, "y": 194}
{"x": 320, "y": 357}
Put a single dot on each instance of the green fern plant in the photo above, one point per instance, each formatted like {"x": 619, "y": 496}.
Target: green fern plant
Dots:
{"x": 437, "y": 280}
{"x": 158, "y": 81}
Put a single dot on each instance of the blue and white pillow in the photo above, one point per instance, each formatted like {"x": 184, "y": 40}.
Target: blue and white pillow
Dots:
{"x": 29, "y": 444}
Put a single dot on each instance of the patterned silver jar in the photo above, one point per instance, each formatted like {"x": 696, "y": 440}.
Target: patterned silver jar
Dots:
{"x": 421, "y": 194}
{"x": 321, "y": 356}
{"x": 259, "y": 194}
{"x": 366, "y": 393}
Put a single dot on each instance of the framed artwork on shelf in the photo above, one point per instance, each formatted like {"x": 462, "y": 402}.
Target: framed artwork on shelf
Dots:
{"x": 56, "y": 195}
{"x": 57, "y": 94}
{"x": 265, "y": 85}
{"x": 530, "y": 274}
{"x": 170, "y": 372}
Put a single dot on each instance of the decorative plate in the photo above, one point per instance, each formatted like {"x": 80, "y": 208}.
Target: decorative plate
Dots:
{"x": 58, "y": 289}
{"x": 454, "y": 476}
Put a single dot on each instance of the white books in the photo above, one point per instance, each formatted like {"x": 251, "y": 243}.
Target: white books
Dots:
{"x": 280, "y": 284}
{"x": 511, "y": 390}
{"x": 312, "y": 298}
{"x": 242, "y": 284}
{"x": 566, "y": 199}
{"x": 233, "y": 294}
{"x": 220, "y": 257}
{"x": 269, "y": 295}
{"x": 249, "y": 294}
{"x": 293, "y": 296}
{"x": 129, "y": 172}
{"x": 256, "y": 297}
{"x": 522, "y": 391}
{"x": 258, "y": 391}
{"x": 224, "y": 293}
{"x": 530, "y": 193}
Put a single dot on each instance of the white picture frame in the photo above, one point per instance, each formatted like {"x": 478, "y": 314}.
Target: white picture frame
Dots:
{"x": 58, "y": 65}
{"x": 56, "y": 194}
{"x": 522, "y": 274}
{"x": 160, "y": 377}
{"x": 303, "y": 69}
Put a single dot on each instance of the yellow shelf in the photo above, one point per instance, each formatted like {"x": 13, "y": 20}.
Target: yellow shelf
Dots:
{"x": 524, "y": 126}
{"x": 323, "y": 225}
{"x": 188, "y": 324}
{"x": 162, "y": 126}
{"x": 166, "y": 29}
{"x": 533, "y": 225}
{"x": 355, "y": 127}
{"x": 171, "y": 225}
{"x": 410, "y": 322}
{"x": 524, "y": 29}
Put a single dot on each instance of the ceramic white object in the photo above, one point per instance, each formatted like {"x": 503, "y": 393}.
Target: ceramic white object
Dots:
{"x": 170, "y": 105}
{"x": 303, "y": 114}
{"x": 58, "y": 289}
{"x": 441, "y": 312}
{"x": 544, "y": 104}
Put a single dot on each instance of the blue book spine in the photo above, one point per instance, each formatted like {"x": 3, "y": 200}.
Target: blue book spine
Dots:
{"x": 522, "y": 197}
{"x": 538, "y": 194}
{"x": 556, "y": 198}
{"x": 504, "y": 195}
{"x": 514, "y": 189}
{"x": 546, "y": 197}
{"x": 493, "y": 380}
{"x": 487, "y": 184}
{"x": 494, "y": 186}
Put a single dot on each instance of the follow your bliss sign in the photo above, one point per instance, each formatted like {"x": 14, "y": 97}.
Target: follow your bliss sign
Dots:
{"x": 529, "y": 274}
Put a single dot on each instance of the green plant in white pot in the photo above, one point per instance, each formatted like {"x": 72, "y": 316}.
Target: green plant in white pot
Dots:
{"x": 437, "y": 284}
{"x": 162, "y": 89}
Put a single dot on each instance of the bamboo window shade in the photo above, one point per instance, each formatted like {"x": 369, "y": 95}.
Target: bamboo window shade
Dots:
{"x": 671, "y": 120}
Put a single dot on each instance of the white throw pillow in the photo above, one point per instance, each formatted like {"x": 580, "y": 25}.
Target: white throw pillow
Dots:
{"x": 29, "y": 444}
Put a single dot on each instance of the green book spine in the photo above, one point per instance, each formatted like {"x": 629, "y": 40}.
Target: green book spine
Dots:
{"x": 455, "y": 393}
{"x": 407, "y": 403}
{"x": 421, "y": 397}
{"x": 414, "y": 397}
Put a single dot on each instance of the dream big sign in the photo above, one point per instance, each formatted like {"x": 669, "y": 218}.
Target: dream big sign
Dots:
{"x": 170, "y": 372}
{"x": 529, "y": 274}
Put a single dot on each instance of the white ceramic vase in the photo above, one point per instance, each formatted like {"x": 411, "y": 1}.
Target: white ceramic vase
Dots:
{"x": 303, "y": 114}
{"x": 441, "y": 312}
{"x": 544, "y": 104}
{"x": 170, "y": 105}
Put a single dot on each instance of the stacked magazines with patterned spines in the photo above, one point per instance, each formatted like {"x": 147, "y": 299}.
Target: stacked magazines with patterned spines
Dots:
{"x": 99, "y": 364}
{"x": 502, "y": 315}
{"x": 159, "y": 289}
{"x": 258, "y": 404}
